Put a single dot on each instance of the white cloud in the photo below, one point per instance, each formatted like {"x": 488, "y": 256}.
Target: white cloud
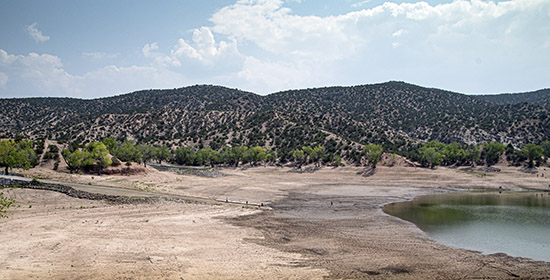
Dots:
{"x": 149, "y": 48}
{"x": 263, "y": 46}
{"x": 3, "y": 79}
{"x": 37, "y": 34}
{"x": 445, "y": 39}
{"x": 44, "y": 75}
{"x": 203, "y": 57}
{"x": 399, "y": 33}
{"x": 204, "y": 47}
{"x": 100, "y": 55}
{"x": 360, "y": 3}
{"x": 273, "y": 28}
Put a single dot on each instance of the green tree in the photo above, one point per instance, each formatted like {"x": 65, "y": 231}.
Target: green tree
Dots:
{"x": 73, "y": 160}
{"x": 256, "y": 154}
{"x": 162, "y": 153}
{"x": 299, "y": 157}
{"x": 430, "y": 157}
{"x": 372, "y": 153}
{"x": 271, "y": 156}
{"x": 206, "y": 156}
{"x": 128, "y": 152}
{"x": 310, "y": 154}
{"x": 98, "y": 156}
{"x": 147, "y": 153}
{"x": 546, "y": 147}
{"x": 492, "y": 152}
{"x": 111, "y": 144}
{"x": 337, "y": 161}
{"x": 236, "y": 154}
{"x": 533, "y": 152}
{"x": 453, "y": 154}
{"x": 321, "y": 154}
{"x": 184, "y": 156}
{"x": 472, "y": 154}
{"x": 16, "y": 154}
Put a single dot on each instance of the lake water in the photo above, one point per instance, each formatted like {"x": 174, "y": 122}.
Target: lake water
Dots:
{"x": 515, "y": 223}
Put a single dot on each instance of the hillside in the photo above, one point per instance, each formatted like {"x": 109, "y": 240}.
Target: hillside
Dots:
{"x": 539, "y": 98}
{"x": 393, "y": 113}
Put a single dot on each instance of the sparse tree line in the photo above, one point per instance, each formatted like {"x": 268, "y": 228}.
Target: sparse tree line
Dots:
{"x": 433, "y": 154}
{"x": 95, "y": 156}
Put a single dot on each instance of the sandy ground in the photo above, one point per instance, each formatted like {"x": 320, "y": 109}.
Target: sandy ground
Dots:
{"x": 54, "y": 236}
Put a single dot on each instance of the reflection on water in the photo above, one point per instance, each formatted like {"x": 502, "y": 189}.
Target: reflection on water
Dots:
{"x": 516, "y": 223}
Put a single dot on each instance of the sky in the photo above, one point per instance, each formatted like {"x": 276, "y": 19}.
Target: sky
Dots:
{"x": 90, "y": 49}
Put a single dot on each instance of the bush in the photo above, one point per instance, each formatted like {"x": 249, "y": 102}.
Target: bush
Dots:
{"x": 36, "y": 182}
{"x": 5, "y": 203}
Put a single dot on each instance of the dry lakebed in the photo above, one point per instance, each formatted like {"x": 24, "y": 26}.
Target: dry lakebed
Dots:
{"x": 326, "y": 224}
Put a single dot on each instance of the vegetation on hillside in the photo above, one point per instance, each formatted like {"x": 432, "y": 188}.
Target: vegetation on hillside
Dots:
{"x": 395, "y": 115}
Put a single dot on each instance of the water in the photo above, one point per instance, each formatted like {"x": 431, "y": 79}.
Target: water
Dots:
{"x": 515, "y": 223}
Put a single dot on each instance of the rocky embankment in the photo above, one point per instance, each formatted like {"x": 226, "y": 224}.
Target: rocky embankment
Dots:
{"x": 72, "y": 192}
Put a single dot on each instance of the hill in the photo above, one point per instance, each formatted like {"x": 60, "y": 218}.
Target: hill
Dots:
{"x": 394, "y": 114}
{"x": 539, "y": 98}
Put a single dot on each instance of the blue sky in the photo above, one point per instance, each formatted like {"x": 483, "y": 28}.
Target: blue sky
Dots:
{"x": 98, "y": 48}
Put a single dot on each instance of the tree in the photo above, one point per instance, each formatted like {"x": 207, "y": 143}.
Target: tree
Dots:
{"x": 310, "y": 153}
{"x": 257, "y": 154}
{"x": 73, "y": 160}
{"x": 147, "y": 153}
{"x": 431, "y": 156}
{"x": 128, "y": 152}
{"x": 5, "y": 203}
{"x": 546, "y": 147}
{"x": 472, "y": 154}
{"x": 206, "y": 156}
{"x": 236, "y": 154}
{"x": 337, "y": 161}
{"x": 372, "y": 153}
{"x": 321, "y": 154}
{"x": 299, "y": 157}
{"x": 98, "y": 156}
{"x": 271, "y": 156}
{"x": 184, "y": 156}
{"x": 27, "y": 146}
{"x": 492, "y": 152}
{"x": 533, "y": 152}
{"x": 13, "y": 154}
{"x": 453, "y": 154}
{"x": 162, "y": 153}
{"x": 111, "y": 144}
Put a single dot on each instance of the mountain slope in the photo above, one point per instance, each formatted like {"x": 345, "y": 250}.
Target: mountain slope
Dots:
{"x": 393, "y": 113}
{"x": 540, "y": 98}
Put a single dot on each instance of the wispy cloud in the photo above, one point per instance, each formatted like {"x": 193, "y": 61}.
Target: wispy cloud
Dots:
{"x": 37, "y": 34}
{"x": 99, "y": 55}
{"x": 44, "y": 75}
{"x": 360, "y": 4}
